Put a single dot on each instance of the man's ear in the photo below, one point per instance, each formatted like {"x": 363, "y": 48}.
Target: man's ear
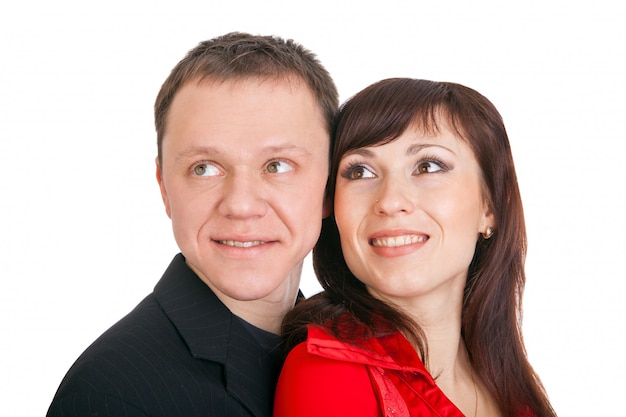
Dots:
{"x": 327, "y": 209}
{"x": 159, "y": 177}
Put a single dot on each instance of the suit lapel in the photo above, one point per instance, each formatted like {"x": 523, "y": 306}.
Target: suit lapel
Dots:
{"x": 213, "y": 333}
{"x": 250, "y": 371}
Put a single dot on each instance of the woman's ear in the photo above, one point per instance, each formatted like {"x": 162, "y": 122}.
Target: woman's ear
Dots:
{"x": 487, "y": 225}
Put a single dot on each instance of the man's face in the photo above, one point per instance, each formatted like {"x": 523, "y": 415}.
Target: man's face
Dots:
{"x": 243, "y": 172}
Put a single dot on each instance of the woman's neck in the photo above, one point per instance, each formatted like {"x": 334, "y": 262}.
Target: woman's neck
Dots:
{"x": 440, "y": 319}
{"x": 448, "y": 358}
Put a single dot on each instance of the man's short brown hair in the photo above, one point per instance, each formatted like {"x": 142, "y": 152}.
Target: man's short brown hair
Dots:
{"x": 239, "y": 55}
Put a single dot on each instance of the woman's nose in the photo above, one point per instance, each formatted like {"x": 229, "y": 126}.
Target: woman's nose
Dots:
{"x": 394, "y": 196}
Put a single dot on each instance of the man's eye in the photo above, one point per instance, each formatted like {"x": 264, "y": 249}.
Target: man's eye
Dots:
{"x": 427, "y": 167}
{"x": 278, "y": 167}
{"x": 205, "y": 170}
{"x": 359, "y": 172}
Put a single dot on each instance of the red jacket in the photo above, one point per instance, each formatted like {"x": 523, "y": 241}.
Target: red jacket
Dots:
{"x": 381, "y": 377}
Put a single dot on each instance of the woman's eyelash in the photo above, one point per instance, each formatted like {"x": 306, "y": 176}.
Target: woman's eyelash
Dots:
{"x": 431, "y": 159}
{"x": 349, "y": 171}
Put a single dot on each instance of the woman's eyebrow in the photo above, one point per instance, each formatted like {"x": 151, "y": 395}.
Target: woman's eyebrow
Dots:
{"x": 360, "y": 151}
{"x": 413, "y": 149}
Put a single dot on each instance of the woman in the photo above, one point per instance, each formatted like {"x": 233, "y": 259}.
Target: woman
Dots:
{"x": 422, "y": 265}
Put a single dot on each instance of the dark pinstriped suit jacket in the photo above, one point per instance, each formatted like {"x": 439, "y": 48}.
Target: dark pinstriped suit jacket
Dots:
{"x": 180, "y": 352}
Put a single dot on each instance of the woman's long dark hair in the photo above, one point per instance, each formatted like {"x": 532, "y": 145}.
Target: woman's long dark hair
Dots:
{"x": 491, "y": 321}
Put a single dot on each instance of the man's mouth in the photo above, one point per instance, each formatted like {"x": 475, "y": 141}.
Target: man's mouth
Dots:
{"x": 395, "y": 241}
{"x": 238, "y": 244}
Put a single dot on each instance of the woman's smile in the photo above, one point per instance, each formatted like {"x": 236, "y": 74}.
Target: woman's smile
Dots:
{"x": 395, "y": 241}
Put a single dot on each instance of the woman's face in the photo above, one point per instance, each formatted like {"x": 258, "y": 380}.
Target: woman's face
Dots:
{"x": 409, "y": 214}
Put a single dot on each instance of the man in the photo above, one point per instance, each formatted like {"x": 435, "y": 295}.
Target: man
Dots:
{"x": 243, "y": 131}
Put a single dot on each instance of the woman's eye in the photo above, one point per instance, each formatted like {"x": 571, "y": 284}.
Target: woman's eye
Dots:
{"x": 359, "y": 172}
{"x": 278, "y": 167}
{"x": 427, "y": 167}
{"x": 205, "y": 170}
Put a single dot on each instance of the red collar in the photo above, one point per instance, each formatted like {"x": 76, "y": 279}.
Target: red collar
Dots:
{"x": 390, "y": 352}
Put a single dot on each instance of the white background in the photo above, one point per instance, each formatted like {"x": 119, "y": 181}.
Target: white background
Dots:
{"x": 83, "y": 234}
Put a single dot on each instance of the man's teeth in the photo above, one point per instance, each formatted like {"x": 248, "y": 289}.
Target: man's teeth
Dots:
{"x": 392, "y": 242}
{"x": 238, "y": 244}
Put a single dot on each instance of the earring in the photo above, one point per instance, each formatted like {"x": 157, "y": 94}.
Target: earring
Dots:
{"x": 488, "y": 233}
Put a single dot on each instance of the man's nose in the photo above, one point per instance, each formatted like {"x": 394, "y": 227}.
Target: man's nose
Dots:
{"x": 243, "y": 196}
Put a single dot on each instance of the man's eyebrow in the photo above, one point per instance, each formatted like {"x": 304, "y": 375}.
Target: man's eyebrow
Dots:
{"x": 198, "y": 151}
{"x": 289, "y": 148}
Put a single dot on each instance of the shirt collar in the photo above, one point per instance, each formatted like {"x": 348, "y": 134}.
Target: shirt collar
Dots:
{"x": 212, "y": 332}
{"x": 392, "y": 351}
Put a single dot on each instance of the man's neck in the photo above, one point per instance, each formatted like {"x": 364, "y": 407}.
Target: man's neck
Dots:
{"x": 261, "y": 313}
{"x": 266, "y": 313}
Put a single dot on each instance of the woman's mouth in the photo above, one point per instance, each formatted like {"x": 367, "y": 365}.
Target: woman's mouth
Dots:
{"x": 395, "y": 241}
